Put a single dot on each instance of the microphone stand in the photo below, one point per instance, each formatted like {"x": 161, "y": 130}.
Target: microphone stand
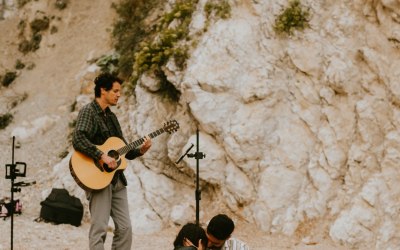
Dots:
{"x": 198, "y": 155}
{"x": 12, "y": 172}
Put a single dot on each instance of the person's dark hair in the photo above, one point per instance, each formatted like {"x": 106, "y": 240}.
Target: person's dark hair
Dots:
{"x": 105, "y": 81}
{"x": 192, "y": 232}
{"x": 221, "y": 227}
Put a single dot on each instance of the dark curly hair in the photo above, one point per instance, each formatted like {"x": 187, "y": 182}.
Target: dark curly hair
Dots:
{"x": 192, "y": 232}
{"x": 105, "y": 81}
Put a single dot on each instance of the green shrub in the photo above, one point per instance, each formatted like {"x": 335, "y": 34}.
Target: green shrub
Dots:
{"x": 26, "y": 46}
{"x": 8, "y": 78}
{"x": 294, "y": 17}
{"x": 35, "y": 41}
{"x": 5, "y": 120}
{"x": 38, "y": 25}
{"x": 109, "y": 63}
{"x": 147, "y": 44}
{"x": 130, "y": 29}
{"x": 180, "y": 55}
{"x": 170, "y": 43}
{"x": 19, "y": 64}
{"x": 219, "y": 8}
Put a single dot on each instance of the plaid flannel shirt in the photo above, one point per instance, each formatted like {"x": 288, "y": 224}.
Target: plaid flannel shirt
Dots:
{"x": 93, "y": 127}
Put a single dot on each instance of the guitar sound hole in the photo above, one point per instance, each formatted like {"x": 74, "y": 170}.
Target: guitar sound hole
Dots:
{"x": 114, "y": 154}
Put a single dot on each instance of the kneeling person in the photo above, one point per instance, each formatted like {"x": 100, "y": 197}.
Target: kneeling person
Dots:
{"x": 219, "y": 231}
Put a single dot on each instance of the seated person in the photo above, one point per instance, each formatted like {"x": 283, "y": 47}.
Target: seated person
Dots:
{"x": 219, "y": 231}
{"x": 191, "y": 237}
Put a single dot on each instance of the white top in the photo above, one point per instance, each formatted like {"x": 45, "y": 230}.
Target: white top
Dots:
{"x": 235, "y": 244}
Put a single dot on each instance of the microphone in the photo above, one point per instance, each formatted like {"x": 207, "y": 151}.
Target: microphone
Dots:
{"x": 187, "y": 151}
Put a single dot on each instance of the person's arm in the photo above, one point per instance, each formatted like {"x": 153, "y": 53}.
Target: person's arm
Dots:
{"x": 84, "y": 130}
{"x": 187, "y": 243}
{"x": 139, "y": 151}
{"x": 132, "y": 154}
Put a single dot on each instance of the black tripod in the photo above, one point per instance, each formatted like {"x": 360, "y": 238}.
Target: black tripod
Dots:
{"x": 198, "y": 155}
{"x": 12, "y": 172}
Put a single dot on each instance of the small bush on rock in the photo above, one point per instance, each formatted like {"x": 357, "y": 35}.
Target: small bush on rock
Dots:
{"x": 294, "y": 17}
{"x": 5, "y": 120}
{"x": 8, "y": 78}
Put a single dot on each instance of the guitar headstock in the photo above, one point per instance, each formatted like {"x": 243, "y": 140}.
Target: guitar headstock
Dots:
{"x": 171, "y": 126}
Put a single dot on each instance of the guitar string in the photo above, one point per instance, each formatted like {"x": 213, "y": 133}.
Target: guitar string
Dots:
{"x": 138, "y": 142}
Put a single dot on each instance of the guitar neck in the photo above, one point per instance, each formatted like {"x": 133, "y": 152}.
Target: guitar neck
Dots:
{"x": 139, "y": 142}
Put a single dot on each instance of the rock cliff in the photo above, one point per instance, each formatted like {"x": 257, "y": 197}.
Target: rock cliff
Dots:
{"x": 295, "y": 129}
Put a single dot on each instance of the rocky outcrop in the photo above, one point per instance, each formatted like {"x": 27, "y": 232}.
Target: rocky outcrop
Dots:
{"x": 293, "y": 128}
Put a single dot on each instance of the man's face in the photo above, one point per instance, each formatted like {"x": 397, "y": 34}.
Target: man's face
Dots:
{"x": 111, "y": 96}
{"x": 214, "y": 243}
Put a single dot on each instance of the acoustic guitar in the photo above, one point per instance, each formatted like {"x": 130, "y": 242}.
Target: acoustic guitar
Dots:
{"x": 92, "y": 174}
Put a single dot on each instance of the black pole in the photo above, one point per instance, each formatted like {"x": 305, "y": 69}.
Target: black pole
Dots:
{"x": 12, "y": 193}
{"x": 198, "y": 155}
{"x": 198, "y": 192}
{"x": 13, "y": 172}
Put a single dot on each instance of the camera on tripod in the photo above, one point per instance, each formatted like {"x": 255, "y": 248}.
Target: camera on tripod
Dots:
{"x": 17, "y": 170}
{"x": 14, "y": 170}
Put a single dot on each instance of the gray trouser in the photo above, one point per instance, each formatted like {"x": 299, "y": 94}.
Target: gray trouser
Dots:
{"x": 110, "y": 201}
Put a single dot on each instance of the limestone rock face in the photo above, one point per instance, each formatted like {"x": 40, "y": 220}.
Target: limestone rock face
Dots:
{"x": 294, "y": 129}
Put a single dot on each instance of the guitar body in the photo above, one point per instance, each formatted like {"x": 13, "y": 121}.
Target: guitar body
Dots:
{"x": 92, "y": 175}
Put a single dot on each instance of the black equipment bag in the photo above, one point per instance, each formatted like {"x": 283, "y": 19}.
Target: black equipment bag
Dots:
{"x": 61, "y": 208}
